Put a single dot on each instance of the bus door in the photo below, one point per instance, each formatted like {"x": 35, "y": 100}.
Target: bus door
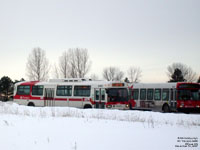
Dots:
{"x": 99, "y": 97}
{"x": 49, "y": 97}
{"x": 172, "y": 99}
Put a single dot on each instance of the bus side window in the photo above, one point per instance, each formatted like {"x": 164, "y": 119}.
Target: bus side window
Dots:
{"x": 103, "y": 94}
{"x": 142, "y": 94}
{"x": 135, "y": 94}
{"x": 37, "y": 90}
{"x": 150, "y": 94}
{"x": 165, "y": 94}
{"x": 82, "y": 91}
{"x": 157, "y": 94}
{"x": 172, "y": 94}
{"x": 63, "y": 90}
{"x": 175, "y": 94}
{"x": 23, "y": 90}
{"x": 97, "y": 94}
{"x": 130, "y": 94}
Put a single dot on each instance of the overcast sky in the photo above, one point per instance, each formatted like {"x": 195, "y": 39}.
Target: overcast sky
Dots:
{"x": 150, "y": 34}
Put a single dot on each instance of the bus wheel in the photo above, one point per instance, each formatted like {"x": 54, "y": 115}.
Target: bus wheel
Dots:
{"x": 31, "y": 104}
{"x": 87, "y": 106}
{"x": 166, "y": 108}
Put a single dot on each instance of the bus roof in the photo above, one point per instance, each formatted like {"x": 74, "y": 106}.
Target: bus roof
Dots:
{"x": 165, "y": 85}
{"x": 89, "y": 83}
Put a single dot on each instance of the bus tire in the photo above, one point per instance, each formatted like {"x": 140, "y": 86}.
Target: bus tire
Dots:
{"x": 165, "y": 108}
{"x": 87, "y": 106}
{"x": 31, "y": 104}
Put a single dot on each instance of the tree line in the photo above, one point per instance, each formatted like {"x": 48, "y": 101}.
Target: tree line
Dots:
{"x": 76, "y": 63}
{"x": 73, "y": 63}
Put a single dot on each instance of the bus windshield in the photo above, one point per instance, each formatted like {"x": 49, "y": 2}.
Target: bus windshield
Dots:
{"x": 188, "y": 95}
{"x": 117, "y": 94}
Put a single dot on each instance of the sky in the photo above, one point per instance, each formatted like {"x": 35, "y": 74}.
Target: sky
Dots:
{"x": 150, "y": 34}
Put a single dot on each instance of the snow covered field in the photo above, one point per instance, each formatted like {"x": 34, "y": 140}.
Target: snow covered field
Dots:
{"x": 63, "y": 128}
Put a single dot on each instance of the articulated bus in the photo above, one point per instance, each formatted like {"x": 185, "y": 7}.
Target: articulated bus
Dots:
{"x": 80, "y": 93}
{"x": 166, "y": 97}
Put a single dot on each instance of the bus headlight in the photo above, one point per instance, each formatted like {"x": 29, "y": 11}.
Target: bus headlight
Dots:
{"x": 109, "y": 106}
{"x": 182, "y": 105}
{"x": 127, "y": 105}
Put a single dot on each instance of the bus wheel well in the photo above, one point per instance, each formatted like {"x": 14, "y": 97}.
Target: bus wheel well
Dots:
{"x": 165, "y": 108}
{"x": 31, "y": 104}
{"x": 86, "y": 106}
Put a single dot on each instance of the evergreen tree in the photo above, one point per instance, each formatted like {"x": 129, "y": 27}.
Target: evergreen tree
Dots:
{"x": 126, "y": 80}
{"x": 6, "y": 85}
{"x": 188, "y": 74}
{"x": 177, "y": 76}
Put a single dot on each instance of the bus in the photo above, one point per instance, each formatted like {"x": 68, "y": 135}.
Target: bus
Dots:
{"x": 166, "y": 97}
{"x": 79, "y": 93}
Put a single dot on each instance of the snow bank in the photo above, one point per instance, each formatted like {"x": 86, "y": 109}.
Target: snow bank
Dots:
{"x": 152, "y": 118}
{"x": 51, "y": 128}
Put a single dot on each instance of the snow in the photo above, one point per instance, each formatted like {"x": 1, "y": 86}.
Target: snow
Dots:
{"x": 63, "y": 128}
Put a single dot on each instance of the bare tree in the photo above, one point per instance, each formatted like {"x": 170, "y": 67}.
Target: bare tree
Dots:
{"x": 188, "y": 74}
{"x": 109, "y": 73}
{"x": 94, "y": 77}
{"x": 37, "y": 65}
{"x": 56, "y": 73}
{"x": 72, "y": 69}
{"x": 83, "y": 64}
{"x": 119, "y": 75}
{"x": 75, "y": 63}
{"x": 134, "y": 74}
{"x": 64, "y": 65}
{"x": 113, "y": 73}
{"x": 191, "y": 76}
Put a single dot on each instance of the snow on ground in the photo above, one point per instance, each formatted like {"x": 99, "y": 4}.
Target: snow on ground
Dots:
{"x": 64, "y": 128}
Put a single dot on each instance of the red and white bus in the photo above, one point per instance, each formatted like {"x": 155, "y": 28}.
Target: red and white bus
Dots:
{"x": 166, "y": 97}
{"x": 80, "y": 93}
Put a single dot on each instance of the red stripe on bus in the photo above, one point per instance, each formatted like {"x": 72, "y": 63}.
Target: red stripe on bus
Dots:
{"x": 60, "y": 99}
{"x": 27, "y": 97}
{"x": 75, "y": 99}
{"x": 91, "y": 101}
{"x": 31, "y": 83}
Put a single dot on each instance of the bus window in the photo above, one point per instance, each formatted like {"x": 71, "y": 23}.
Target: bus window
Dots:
{"x": 194, "y": 95}
{"x": 188, "y": 95}
{"x": 149, "y": 94}
{"x": 63, "y": 90}
{"x": 97, "y": 94}
{"x": 130, "y": 94}
{"x": 165, "y": 94}
{"x": 103, "y": 94}
{"x": 175, "y": 94}
{"x": 117, "y": 94}
{"x": 157, "y": 94}
{"x": 135, "y": 94}
{"x": 23, "y": 90}
{"x": 82, "y": 91}
{"x": 37, "y": 90}
{"x": 142, "y": 94}
{"x": 172, "y": 94}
